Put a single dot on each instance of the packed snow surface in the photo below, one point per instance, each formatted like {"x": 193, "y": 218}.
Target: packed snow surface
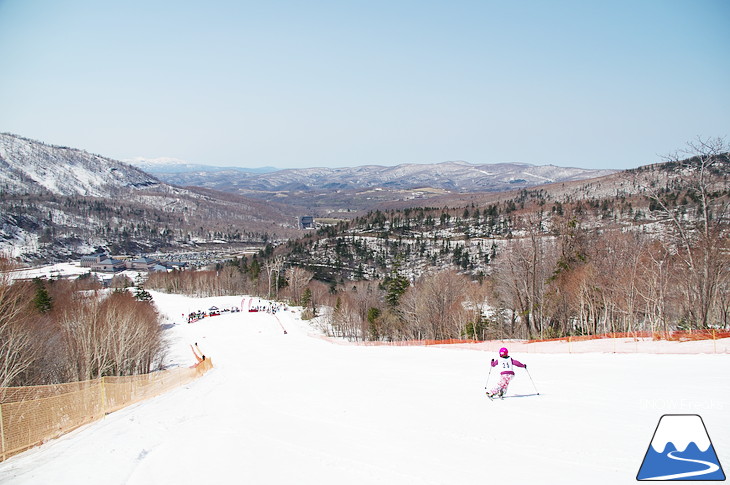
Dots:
{"x": 284, "y": 408}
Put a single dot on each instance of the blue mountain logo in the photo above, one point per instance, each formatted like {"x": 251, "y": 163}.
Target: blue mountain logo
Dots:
{"x": 681, "y": 450}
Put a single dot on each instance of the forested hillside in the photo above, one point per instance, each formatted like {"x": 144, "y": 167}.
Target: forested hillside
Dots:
{"x": 58, "y": 203}
{"x": 647, "y": 249}
{"x": 643, "y": 250}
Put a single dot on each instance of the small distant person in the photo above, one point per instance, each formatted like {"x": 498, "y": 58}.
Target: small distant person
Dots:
{"x": 506, "y": 364}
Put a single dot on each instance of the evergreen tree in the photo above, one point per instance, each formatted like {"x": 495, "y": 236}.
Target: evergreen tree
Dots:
{"x": 394, "y": 287}
{"x": 306, "y": 297}
{"x": 42, "y": 301}
{"x": 142, "y": 295}
{"x": 254, "y": 269}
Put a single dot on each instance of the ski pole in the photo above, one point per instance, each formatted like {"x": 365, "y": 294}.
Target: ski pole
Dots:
{"x": 533, "y": 382}
{"x": 490, "y": 373}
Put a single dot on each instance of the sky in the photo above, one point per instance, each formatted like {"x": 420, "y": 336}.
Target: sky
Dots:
{"x": 294, "y": 84}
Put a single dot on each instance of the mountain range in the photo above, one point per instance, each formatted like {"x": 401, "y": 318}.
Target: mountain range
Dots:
{"x": 322, "y": 190}
{"x": 168, "y": 165}
{"x": 59, "y": 202}
{"x": 456, "y": 175}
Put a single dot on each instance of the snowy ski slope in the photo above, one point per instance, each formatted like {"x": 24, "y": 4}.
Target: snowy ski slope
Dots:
{"x": 290, "y": 408}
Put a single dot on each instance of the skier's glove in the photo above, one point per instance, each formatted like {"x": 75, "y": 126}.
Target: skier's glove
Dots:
{"x": 525, "y": 366}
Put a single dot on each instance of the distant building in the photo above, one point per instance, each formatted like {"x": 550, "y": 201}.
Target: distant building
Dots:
{"x": 306, "y": 222}
{"x": 180, "y": 265}
{"x": 89, "y": 260}
{"x": 104, "y": 263}
{"x": 109, "y": 265}
{"x": 142, "y": 263}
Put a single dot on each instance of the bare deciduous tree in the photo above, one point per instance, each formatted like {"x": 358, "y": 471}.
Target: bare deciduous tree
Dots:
{"x": 17, "y": 347}
{"x": 701, "y": 240}
{"x": 116, "y": 335}
{"x": 298, "y": 279}
{"x": 274, "y": 267}
{"x": 522, "y": 272}
{"x": 434, "y": 307}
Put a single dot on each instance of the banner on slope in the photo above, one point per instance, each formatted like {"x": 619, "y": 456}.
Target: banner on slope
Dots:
{"x": 681, "y": 450}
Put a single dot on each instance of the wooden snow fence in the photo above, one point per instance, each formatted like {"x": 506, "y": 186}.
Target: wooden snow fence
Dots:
{"x": 30, "y": 416}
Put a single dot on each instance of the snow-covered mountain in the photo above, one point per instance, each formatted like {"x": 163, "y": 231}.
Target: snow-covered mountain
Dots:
{"x": 59, "y": 202}
{"x": 328, "y": 190}
{"x": 457, "y": 176}
{"x": 28, "y": 166}
{"x": 168, "y": 165}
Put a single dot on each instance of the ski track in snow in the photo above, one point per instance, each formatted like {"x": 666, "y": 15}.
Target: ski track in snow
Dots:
{"x": 289, "y": 408}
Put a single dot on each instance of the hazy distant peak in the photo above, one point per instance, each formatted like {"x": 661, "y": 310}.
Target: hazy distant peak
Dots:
{"x": 161, "y": 161}
{"x": 170, "y": 165}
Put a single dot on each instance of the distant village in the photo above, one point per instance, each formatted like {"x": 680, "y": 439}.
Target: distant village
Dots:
{"x": 103, "y": 263}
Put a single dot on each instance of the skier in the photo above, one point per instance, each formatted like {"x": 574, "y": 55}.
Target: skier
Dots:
{"x": 506, "y": 364}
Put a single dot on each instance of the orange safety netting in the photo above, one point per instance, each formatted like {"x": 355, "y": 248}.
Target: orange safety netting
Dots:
{"x": 681, "y": 336}
{"x": 695, "y": 342}
{"x": 30, "y": 416}
{"x": 422, "y": 342}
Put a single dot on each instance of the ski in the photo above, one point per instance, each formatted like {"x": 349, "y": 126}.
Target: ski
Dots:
{"x": 510, "y": 396}
{"x": 520, "y": 395}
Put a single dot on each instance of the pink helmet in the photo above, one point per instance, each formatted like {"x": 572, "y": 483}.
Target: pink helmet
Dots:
{"x": 503, "y": 352}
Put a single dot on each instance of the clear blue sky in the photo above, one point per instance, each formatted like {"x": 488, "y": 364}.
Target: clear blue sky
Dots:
{"x": 595, "y": 84}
